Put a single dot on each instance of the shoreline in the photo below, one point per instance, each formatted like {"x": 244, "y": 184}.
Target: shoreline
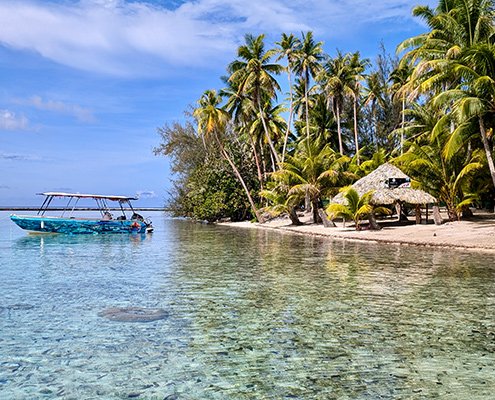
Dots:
{"x": 475, "y": 234}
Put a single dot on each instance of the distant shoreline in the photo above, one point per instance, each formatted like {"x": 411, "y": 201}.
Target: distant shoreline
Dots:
{"x": 28, "y": 208}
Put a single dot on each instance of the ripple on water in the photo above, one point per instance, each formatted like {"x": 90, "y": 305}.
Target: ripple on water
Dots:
{"x": 249, "y": 314}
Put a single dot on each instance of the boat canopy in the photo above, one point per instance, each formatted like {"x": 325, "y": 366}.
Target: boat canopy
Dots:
{"x": 91, "y": 196}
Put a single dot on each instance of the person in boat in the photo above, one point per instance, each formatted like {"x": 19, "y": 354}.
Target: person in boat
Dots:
{"x": 107, "y": 216}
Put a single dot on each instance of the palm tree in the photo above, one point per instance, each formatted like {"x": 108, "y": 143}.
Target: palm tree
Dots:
{"x": 252, "y": 73}
{"x": 310, "y": 171}
{"x": 373, "y": 93}
{"x": 357, "y": 207}
{"x": 242, "y": 112}
{"x": 336, "y": 81}
{"x": 322, "y": 121}
{"x": 474, "y": 98}
{"x": 399, "y": 78}
{"x": 289, "y": 45}
{"x": 454, "y": 24}
{"x": 274, "y": 123}
{"x": 358, "y": 67}
{"x": 212, "y": 120}
{"x": 307, "y": 65}
{"x": 281, "y": 201}
{"x": 442, "y": 179}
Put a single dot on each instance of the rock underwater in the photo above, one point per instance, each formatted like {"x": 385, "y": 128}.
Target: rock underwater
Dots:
{"x": 133, "y": 314}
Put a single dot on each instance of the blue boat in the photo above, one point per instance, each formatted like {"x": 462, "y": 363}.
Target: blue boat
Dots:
{"x": 42, "y": 223}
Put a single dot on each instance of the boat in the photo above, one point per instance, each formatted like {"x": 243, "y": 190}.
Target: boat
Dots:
{"x": 68, "y": 224}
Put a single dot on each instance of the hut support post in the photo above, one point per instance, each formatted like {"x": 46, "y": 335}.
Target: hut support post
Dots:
{"x": 400, "y": 214}
{"x": 398, "y": 210}
{"x": 426, "y": 213}
{"x": 417, "y": 210}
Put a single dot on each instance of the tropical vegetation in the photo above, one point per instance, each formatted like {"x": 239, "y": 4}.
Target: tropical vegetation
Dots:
{"x": 251, "y": 148}
{"x": 355, "y": 208}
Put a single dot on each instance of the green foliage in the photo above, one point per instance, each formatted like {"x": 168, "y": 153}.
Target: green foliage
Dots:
{"x": 214, "y": 193}
{"x": 435, "y": 107}
{"x": 356, "y": 208}
{"x": 204, "y": 185}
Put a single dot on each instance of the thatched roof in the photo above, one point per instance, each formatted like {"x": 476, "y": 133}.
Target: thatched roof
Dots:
{"x": 383, "y": 195}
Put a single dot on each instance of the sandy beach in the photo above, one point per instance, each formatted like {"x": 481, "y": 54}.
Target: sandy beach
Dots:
{"x": 474, "y": 234}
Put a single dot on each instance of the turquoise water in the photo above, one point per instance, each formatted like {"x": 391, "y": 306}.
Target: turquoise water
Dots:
{"x": 251, "y": 315}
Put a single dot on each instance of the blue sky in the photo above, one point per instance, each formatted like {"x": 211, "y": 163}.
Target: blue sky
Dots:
{"x": 85, "y": 83}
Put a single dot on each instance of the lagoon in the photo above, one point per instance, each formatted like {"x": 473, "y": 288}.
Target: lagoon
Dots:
{"x": 251, "y": 314}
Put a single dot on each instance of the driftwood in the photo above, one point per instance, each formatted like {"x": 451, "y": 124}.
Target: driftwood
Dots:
{"x": 324, "y": 217}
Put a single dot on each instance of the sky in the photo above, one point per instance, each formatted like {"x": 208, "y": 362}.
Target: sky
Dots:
{"x": 84, "y": 84}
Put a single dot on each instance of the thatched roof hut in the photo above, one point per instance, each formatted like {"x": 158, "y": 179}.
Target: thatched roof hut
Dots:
{"x": 382, "y": 180}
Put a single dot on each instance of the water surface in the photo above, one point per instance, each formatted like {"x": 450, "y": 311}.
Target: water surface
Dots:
{"x": 252, "y": 315}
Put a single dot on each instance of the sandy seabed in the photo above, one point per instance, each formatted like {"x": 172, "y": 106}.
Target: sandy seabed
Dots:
{"x": 474, "y": 234}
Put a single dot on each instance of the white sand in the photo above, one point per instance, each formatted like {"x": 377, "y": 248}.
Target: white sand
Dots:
{"x": 476, "y": 234}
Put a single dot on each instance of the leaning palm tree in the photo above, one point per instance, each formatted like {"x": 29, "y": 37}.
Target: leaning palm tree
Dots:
{"x": 356, "y": 208}
{"x": 242, "y": 112}
{"x": 307, "y": 65}
{"x": 289, "y": 45}
{"x": 274, "y": 122}
{"x": 253, "y": 74}
{"x": 212, "y": 121}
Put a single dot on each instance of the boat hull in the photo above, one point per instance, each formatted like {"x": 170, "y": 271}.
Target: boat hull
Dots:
{"x": 51, "y": 225}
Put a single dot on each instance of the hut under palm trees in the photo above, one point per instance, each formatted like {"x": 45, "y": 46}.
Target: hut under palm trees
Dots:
{"x": 391, "y": 186}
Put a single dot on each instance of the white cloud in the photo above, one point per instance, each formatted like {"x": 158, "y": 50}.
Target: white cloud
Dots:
{"x": 146, "y": 194}
{"x": 132, "y": 38}
{"x": 11, "y": 122}
{"x": 82, "y": 114}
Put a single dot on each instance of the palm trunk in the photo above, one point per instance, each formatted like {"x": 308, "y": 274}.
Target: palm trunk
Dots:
{"x": 306, "y": 84}
{"x": 488, "y": 152}
{"x": 402, "y": 130}
{"x": 356, "y": 129}
{"x": 373, "y": 115}
{"x": 238, "y": 174}
{"x": 451, "y": 211}
{"x": 272, "y": 147}
{"x": 258, "y": 167}
{"x": 341, "y": 149}
{"x": 293, "y": 217}
{"x": 316, "y": 217}
{"x": 263, "y": 158}
{"x": 290, "y": 114}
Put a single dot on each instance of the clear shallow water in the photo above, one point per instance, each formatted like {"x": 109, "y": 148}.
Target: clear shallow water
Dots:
{"x": 252, "y": 315}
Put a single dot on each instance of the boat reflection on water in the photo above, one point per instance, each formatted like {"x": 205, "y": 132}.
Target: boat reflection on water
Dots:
{"x": 82, "y": 244}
